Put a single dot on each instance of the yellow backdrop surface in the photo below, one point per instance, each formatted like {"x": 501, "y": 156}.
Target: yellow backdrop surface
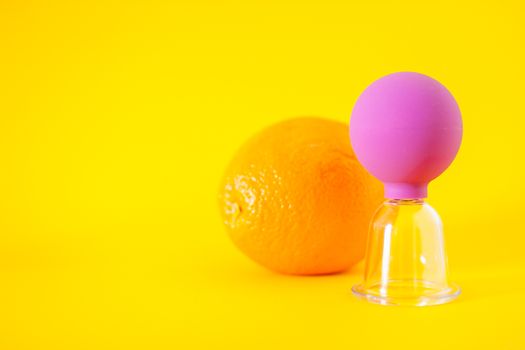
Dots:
{"x": 117, "y": 120}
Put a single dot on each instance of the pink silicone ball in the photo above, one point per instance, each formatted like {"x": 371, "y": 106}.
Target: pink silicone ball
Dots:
{"x": 406, "y": 129}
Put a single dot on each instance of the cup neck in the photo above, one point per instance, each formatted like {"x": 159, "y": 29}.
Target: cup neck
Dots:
{"x": 405, "y": 201}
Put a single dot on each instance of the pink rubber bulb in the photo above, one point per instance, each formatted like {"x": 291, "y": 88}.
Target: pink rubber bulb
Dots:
{"x": 406, "y": 129}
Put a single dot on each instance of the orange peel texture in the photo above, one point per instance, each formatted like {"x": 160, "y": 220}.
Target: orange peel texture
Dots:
{"x": 296, "y": 200}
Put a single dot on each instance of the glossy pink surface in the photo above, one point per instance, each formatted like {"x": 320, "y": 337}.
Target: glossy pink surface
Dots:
{"x": 406, "y": 129}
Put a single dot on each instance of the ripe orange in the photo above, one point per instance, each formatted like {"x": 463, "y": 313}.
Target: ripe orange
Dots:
{"x": 296, "y": 200}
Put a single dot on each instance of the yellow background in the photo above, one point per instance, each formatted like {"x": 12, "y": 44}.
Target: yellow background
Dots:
{"x": 118, "y": 118}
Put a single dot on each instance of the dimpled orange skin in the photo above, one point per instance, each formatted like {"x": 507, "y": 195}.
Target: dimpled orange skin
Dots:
{"x": 296, "y": 200}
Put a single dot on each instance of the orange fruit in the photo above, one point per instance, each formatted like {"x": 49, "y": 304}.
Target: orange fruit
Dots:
{"x": 296, "y": 200}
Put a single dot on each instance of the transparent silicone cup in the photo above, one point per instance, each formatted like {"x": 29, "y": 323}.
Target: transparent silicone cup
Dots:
{"x": 406, "y": 262}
